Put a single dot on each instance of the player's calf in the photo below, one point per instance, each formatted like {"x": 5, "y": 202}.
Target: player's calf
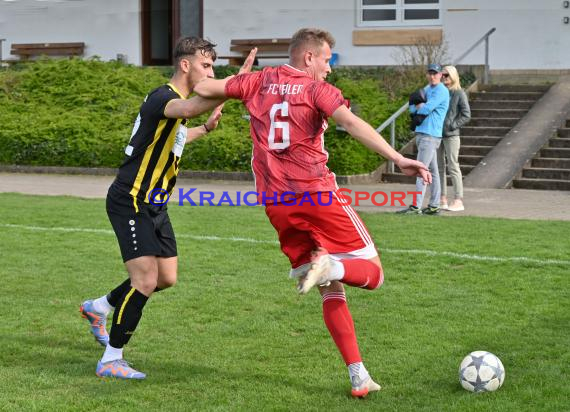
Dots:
{"x": 362, "y": 273}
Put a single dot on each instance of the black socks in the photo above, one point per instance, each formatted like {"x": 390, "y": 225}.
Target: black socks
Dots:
{"x": 126, "y": 317}
{"x": 116, "y": 294}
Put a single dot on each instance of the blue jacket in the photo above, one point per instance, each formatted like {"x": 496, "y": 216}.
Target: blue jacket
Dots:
{"x": 435, "y": 109}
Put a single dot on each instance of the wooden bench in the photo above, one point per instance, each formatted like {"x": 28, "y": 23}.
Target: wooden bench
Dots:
{"x": 27, "y": 50}
{"x": 266, "y": 49}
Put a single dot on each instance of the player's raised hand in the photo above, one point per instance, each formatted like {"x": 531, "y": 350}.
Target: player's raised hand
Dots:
{"x": 215, "y": 117}
{"x": 248, "y": 63}
{"x": 411, "y": 167}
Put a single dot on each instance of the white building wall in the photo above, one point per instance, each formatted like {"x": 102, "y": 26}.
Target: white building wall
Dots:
{"x": 228, "y": 19}
{"x": 107, "y": 27}
{"x": 530, "y": 33}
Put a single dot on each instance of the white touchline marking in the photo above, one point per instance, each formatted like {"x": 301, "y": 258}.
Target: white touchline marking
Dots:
{"x": 478, "y": 257}
{"x": 110, "y": 232}
{"x": 522, "y": 259}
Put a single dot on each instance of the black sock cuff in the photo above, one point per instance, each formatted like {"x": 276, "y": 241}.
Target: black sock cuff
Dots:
{"x": 116, "y": 294}
{"x": 137, "y": 298}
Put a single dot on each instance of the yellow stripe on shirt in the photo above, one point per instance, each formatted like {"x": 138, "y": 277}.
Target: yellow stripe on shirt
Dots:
{"x": 144, "y": 164}
{"x": 163, "y": 159}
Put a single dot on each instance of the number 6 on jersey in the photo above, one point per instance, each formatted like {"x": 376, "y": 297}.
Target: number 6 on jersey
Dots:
{"x": 284, "y": 126}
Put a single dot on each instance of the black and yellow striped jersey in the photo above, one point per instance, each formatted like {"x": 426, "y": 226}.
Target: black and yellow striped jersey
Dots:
{"x": 153, "y": 153}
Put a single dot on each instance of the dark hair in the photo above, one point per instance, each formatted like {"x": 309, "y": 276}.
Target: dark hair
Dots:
{"x": 311, "y": 37}
{"x": 188, "y": 46}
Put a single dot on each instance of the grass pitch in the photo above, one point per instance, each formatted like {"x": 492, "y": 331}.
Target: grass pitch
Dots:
{"x": 234, "y": 335}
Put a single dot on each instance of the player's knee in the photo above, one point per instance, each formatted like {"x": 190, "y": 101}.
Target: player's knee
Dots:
{"x": 379, "y": 278}
{"x": 167, "y": 281}
{"x": 145, "y": 286}
{"x": 375, "y": 274}
{"x": 376, "y": 261}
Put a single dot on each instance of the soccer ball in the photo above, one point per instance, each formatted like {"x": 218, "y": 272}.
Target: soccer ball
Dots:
{"x": 481, "y": 371}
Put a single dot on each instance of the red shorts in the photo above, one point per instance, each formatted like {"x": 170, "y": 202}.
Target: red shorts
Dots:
{"x": 329, "y": 223}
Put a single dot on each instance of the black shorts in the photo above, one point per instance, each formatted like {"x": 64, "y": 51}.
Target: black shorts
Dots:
{"x": 147, "y": 232}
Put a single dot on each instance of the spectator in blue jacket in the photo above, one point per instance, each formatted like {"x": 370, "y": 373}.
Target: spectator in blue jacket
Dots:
{"x": 428, "y": 138}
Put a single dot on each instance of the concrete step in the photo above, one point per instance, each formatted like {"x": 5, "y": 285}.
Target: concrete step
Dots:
{"x": 556, "y": 152}
{"x": 515, "y": 88}
{"x": 469, "y": 160}
{"x": 564, "y": 131}
{"x": 493, "y": 121}
{"x": 532, "y": 96}
{"x": 475, "y": 150}
{"x": 559, "y": 142}
{"x": 544, "y": 173}
{"x": 485, "y": 131}
{"x": 480, "y": 140}
{"x": 501, "y": 104}
{"x": 541, "y": 184}
{"x": 550, "y": 163}
{"x": 503, "y": 113}
{"x": 466, "y": 169}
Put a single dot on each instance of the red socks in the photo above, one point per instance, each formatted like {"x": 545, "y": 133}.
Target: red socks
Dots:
{"x": 362, "y": 273}
{"x": 340, "y": 325}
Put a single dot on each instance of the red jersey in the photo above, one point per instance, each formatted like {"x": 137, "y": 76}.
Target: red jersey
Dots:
{"x": 289, "y": 112}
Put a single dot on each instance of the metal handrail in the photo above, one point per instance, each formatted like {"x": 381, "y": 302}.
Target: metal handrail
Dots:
{"x": 391, "y": 121}
{"x": 485, "y": 38}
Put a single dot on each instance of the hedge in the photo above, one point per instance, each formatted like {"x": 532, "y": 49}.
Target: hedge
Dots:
{"x": 74, "y": 112}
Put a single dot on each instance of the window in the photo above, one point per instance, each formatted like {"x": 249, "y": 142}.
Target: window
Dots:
{"x": 378, "y": 13}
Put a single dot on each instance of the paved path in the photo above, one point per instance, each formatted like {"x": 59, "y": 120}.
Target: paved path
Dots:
{"x": 505, "y": 203}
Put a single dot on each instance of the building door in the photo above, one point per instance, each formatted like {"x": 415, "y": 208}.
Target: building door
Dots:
{"x": 163, "y": 23}
{"x": 191, "y": 18}
{"x": 157, "y": 32}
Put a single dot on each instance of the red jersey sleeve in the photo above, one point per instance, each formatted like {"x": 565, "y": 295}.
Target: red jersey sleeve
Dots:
{"x": 243, "y": 86}
{"x": 327, "y": 98}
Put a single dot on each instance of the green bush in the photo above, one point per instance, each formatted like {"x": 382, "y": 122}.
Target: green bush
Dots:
{"x": 70, "y": 112}
{"x": 466, "y": 79}
{"x": 74, "y": 112}
{"x": 228, "y": 148}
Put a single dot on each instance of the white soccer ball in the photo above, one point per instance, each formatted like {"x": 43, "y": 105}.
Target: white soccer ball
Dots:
{"x": 481, "y": 371}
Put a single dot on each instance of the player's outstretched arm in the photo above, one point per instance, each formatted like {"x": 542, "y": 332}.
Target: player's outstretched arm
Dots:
{"x": 212, "y": 88}
{"x": 215, "y": 88}
{"x": 195, "y": 106}
{"x": 366, "y": 135}
{"x": 189, "y": 108}
{"x": 411, "y": 167}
